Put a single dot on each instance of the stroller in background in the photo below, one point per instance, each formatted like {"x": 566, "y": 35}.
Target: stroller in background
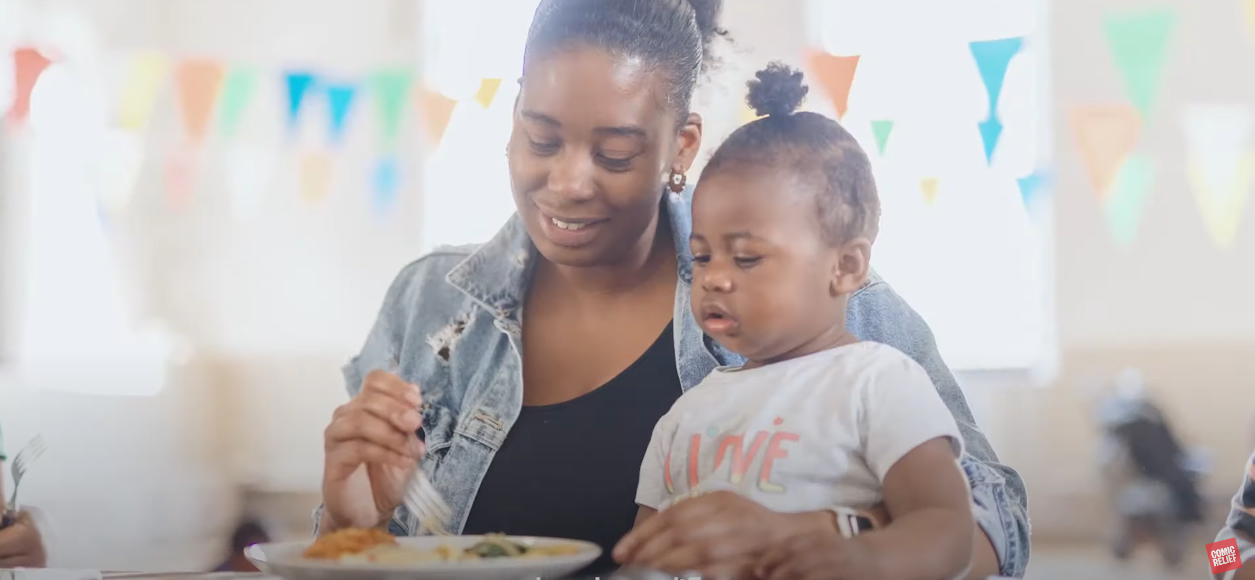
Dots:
{"x": 1152, "y": 482}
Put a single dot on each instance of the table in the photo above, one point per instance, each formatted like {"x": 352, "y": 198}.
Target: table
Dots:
{"x": 56, "y": 574}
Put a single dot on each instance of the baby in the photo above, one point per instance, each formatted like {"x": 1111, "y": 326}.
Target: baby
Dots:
{"x": 783, "y": 222}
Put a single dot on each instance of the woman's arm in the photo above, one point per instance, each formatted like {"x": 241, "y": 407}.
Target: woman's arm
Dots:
{"x": 999, "y": 503}
{"x": 1240, "y": 525}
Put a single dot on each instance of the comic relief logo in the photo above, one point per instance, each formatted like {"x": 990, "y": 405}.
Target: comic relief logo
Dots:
{"x": 1224, "y": 556}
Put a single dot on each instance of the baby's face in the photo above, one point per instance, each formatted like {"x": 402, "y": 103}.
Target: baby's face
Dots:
{"x": 762, "y": 272}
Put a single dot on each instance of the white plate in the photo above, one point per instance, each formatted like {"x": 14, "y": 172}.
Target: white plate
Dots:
{"x": 284, "y": 559}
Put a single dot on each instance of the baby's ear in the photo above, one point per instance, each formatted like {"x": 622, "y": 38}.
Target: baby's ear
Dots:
{"x": 852, "y": 266}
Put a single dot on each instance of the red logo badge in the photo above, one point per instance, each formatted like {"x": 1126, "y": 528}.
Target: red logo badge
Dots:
{"x": 1224, "y": 556}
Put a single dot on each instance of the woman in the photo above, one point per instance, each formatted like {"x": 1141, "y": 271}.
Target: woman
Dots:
{"x": 1240, "y": 525}
{"x": 597, "y": 262}
{"x": 21, "y": 545}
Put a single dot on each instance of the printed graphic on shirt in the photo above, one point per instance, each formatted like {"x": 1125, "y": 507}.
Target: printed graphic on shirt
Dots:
{"x": 738, "y": 452}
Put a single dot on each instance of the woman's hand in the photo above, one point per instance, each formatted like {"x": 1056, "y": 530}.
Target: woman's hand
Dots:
{"x": 372, "y": 448}
{"x": 817, "y": 555}
{"x": 21, "y": 546}
{"x": 718, "y": 535}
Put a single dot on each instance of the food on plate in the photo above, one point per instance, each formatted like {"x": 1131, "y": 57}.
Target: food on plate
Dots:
{"x": 348, "y": 541}
{"x": 380, "y": 547}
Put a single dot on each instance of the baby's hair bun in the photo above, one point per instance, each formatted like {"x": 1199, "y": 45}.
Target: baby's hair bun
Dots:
{"x": 778, "y": 90}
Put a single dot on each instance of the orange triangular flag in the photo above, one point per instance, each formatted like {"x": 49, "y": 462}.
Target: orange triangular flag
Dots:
{"x": 28, "y": 64}
{"x": 198, "y": 85}
{"x": 1105, "y": 135}
{"x": 928, "y": 185}
{"x": 836, "y": 76}
{"x": 487, "y": 91}
{"x": 436, "y": 110}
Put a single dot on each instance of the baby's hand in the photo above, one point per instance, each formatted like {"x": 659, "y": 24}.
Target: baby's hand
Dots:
{"x": 817, "y": 555}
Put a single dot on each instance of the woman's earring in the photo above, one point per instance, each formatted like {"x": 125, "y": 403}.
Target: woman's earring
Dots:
{"x": 678, "y": 179}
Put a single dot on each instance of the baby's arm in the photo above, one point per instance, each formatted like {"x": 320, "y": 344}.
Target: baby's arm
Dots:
{"x": 930, "y": 510}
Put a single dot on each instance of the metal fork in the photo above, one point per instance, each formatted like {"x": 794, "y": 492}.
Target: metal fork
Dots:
{"x": 21, "y": 464}
{"x": 422, "y": 500}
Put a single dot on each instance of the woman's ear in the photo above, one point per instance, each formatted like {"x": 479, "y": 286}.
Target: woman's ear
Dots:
{"x": 690, "y": 141}
{"x": 852, "y": 267}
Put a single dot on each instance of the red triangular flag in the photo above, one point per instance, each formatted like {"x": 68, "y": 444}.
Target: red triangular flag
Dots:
{"x": 836, "y": 76}
{"x": 28, "y": 65}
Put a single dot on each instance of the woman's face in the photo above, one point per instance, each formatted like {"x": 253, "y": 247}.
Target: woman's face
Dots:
{"x": 593, "y": 140}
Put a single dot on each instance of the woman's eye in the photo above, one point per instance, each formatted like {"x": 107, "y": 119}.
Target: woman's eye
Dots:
{"x": 746, "y": 262}
{"x": 544, "y": 148}
{"x": 615, "y": 163}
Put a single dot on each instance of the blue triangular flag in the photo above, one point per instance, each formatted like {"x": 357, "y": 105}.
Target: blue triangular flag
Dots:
{"x": 339, "y": 103}
{"x": 990, "y": 130}
{"x": 992, "y": 59}
{"x": 299, "y": 84}
{"x": 1030, "y": 186}
{"x": 387, "y": 184}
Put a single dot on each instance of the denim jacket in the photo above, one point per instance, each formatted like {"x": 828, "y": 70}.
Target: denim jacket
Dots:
{"x": 450, "y": 323}
{"x": 1240, "y": 524}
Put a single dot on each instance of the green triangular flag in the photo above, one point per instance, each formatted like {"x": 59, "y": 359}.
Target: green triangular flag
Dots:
{"x": 1139, "y": 44}
{"x": 237, "y": 91}
{"x": 882, "y": 129}
{"x": 391, "y": 89}
{"x": 1128, "y": 200}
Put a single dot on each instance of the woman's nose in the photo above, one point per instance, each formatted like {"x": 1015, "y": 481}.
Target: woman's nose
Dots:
{"x": 571, "y": 175}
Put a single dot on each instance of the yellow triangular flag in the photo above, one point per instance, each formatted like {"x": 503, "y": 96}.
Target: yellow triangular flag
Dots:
{"x": 487, "y": 91}
{"x": 1222, "y": 193}
{"x": 143, "y": 78}
{"x": 928, "y": 186}
{"x": 1250, "y": 15}
{"x": 747, "y": 114}
{"x": 315, "y": 176}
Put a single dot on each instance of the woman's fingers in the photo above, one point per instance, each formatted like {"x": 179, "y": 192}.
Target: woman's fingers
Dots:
{"x": 362, "y": 425}
{"x": 384, "y": 383}
{"x": 356, "y": 452}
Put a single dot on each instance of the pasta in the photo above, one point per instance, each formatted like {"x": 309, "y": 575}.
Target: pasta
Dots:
{"x": 379, "y": 547}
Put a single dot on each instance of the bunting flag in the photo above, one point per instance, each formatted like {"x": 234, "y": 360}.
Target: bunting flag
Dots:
{"x": 1219, "y": 165}
{"x": 1105, "y": 136}
{"x": 882, "y": 130}
{"x": 248, "y": 174}
{"x": 436, "y": 110}
{"x": 387, "y": 184}
{"x": 340, "y": 99}
{"x": 990, "y": 131}
{"x": 836, "y": 76}
{"x": 390, "y": 89}
{"x": 1138, "y": 40}
{"x": 315, "y": 176}
{"x": 928, "y": 186}
{"x": 28, "y": 64}
{"x": 992, "y": 59}
{"x": 198, "y": 83}
{"x": 1127, "y": 201}
{"x": 1032, "y": 187}
{"x": 237, "y": 93}
{"x": 1250, "y": 24}
{"x": 748, "y": 114}
{"x": 144, "y": 75}
{"x": 299, "y": 84}
{"x": 179, "y": 179}
{"x": 487, "y": 91}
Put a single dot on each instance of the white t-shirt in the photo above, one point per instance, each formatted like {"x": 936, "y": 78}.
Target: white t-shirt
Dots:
{"x": 805, "y": 434}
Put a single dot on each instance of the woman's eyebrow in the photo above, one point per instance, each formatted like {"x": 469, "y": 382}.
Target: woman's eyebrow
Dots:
{"x": 540, "y": 118}
{"x": 624, "y": 131}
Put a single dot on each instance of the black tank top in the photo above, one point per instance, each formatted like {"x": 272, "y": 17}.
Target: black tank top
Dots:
{"x": 570, "y": 470}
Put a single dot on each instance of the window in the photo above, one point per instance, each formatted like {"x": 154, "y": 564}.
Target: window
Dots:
{"x": 975, "y": 262}
{"x": 77, "y": 332}
{"x": 467, "y": 194}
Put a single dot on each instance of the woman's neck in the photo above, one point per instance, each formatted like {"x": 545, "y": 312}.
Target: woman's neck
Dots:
{"x": 650, "y": 260}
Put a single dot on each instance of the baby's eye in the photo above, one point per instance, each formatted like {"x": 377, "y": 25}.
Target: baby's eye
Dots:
{"x": 747, "y": 261}
{"x": 701, "y": 258}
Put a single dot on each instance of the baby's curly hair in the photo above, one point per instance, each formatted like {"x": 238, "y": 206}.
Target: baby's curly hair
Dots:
{"x": 812, "y": 146}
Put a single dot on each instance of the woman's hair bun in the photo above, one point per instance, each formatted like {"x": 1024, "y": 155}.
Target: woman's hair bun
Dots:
{"x": 707, "y": 14}
{"x": 777, "y": 90}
